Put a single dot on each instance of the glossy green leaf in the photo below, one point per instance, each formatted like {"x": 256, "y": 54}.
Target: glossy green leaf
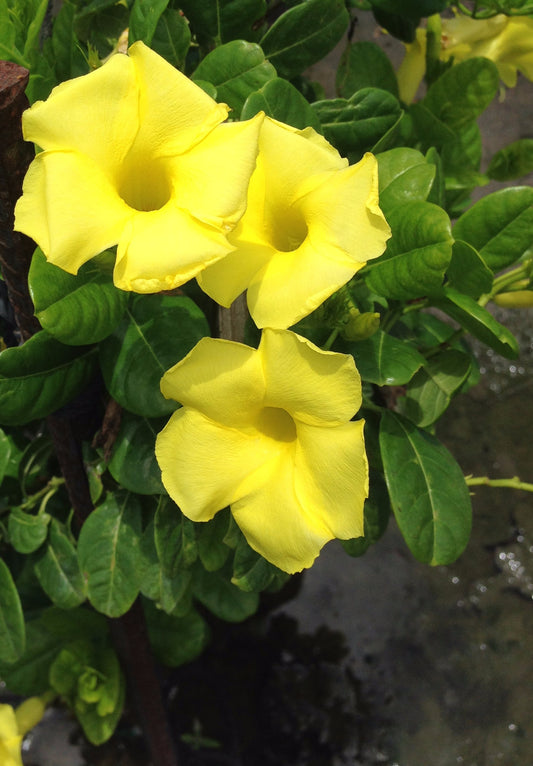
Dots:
{"x": 477, "y": 321}
{"x": 175, "y": 538}
{"x": 365, "y": 65}
{"x": 108, "y": 551}
{"x": 41, "y": 376}
{"x": 156, "y": 332}
{"x": 212, "y": 549}
{"x": 46, "y": 635}
{"x": 68, "y": 55}
{"x": 437, "y": 192}
{"x": 26, "y": 531}
{"x": 499, "y": 226}
{"x": 428, "y": 492}
{"x": 144, "y": 18}
{"x": 404, "y": 176}
{"x": 377, "y": 513}
{"x": 236, "y": 69}
{"x": 356, "y": 125}
{"x": 304, "y": 34}
{"x": 6, "y": 453}
{"x": 385, "y": 360}
{"x": 282, "y": 101}
{"x": 251, "y": 572}
{"x": 133, "y": 464}
{"x": 218, "y": 594}
{"x": 430, "y": 130}
{"x": 12, "y": 628}
{"x": 417, "y": 255}
{"x": 170, "y": 593}
{"x": 224, "y": 20}
{"x": 463, "y": 92}
{"x": 172, "y": 37}
{"x": 467, "y": 271}
{"x": 513, "y": 161}
{"x": 175, "y": 640}
{"x": 76, "y": 309}
{"x": 100, "y": 720}
{"x": 431, "y": 389}
{"x": 58, "y": 571}
{"x": 413, "y": 8}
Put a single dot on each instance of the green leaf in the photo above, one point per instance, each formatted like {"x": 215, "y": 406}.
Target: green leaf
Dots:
{"x": 172, "y": 37}
{"x": 133, "y": 464}
{"x": 477, "y": 321}
{"x": 225, "y": 600}
{"x": 58, "y": 571}
{"x": 282, "y": 101}
{"x": 499, "y": 226}
{"x": 26, "y": 531}
{"x": 438, "y": 189}
{"x": 175, "y": 640}
{"x": 377, "y": 513}
{"x": 467, "y": 271}
{"x": 6, "y": 453}
{"x": 365, "y": 65}
{"x": 430, "y": 130}
{"x": 144, "y": 17}
{"x": 156, "y": 332}
{"x": 212, "y": 549}
{"x": 513, "y": 161}
{"x": 175, "y": 538}
{"x": 108, "y": 552}
{"x": 463, "y": 92}
{"x": 404, "y": 176}
{"x": 304, "y": 34}
{"x": 68, "y": 56}
{"x": 41, "y": 376}
{"x": 251, "y": 572}
{"x": 236, "y": 69}
{"x": 428, "y": 492}
{"x": 417, "y": 255}
{"x": 356, "y": 124}
{"x": 430, "y": 391}
{"x": 411, "y": 8}
{"x": 76, "y": 309}
{"x": 385, "y": 360}
{"x": 224, "y": 20}
{"x": 12, "y": 629}
{"x": 100, "y": 720}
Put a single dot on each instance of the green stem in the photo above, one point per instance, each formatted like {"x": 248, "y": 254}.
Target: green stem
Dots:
{"x": 331, "y": 340}
{"x": 508, "y": 278}
{"x": 390, "y": 318}
{"x": 46, "y": 493}
{"x": 512, "y": 483}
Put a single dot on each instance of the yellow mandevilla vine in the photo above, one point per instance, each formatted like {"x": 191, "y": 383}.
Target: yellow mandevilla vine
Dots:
{"x": 268, "y": 432}
{"x": 14, "y": 724}
{"x": 135, "y": 155}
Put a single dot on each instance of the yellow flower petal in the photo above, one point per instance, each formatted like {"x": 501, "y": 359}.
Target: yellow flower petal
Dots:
{"x": 29, "y": 713}
{"x": 174, "y": 113}
{"x": 206, "y": 466}
{"x": 413, "y": 67}
{"x": 70, "y": 208}
{"x": 314, "y": 386}
{"x": 10, "y": 754}
{"x": 212, "y": 178}
{"x": 96, "y": 114}
{"x": 162, "y": 249}
{"x": 220, "y": 378}
{"x": 277, "y": 526}
{"x": 225, "y": 280}
{"x": 331, "y": 476}
{"x": 8, "y": 723}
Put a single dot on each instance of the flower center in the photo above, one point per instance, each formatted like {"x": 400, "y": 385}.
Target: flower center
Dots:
{"x": 144, "y": 183}
{"x": 288, "y": 231}
{"x": 277, "y": 424}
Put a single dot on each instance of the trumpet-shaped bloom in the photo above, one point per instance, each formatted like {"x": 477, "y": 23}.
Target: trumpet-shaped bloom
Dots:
{"x": 268, "y": 432}
{"x": 505, "y": 40}
{"x": 13, "y": 726}
{"x": 311, "y": 223}
{"x": 135, "y": 155}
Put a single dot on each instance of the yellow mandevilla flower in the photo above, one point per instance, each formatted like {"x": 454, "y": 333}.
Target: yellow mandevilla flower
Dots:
{"x": 135, "y": 155}
{"x": 14, "y": 724}
{"x": 505, "y": 40}
{"x": 311, "y": 223}
{"x": 268, "y": 432}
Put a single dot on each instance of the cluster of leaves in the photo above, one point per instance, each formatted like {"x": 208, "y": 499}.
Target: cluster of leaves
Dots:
{"x": 251, "y": 55}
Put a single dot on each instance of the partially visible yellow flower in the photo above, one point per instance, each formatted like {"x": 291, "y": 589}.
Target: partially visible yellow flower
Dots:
{"x": 311, "y": 223}
{"x": 135, "y": 155}
{"x": 13, "y": 726}
{"x": 268, "y": 432}
{"x": 505, "y": 40}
